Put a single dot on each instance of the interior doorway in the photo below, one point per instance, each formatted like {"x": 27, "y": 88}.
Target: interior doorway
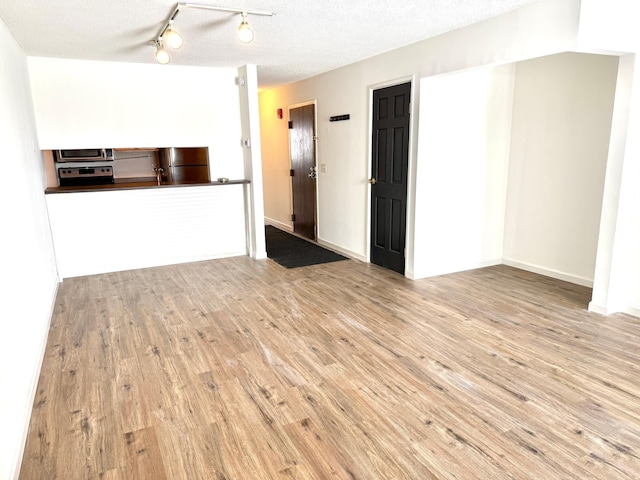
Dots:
{"x": 302, "y": 150}
{"x": 389, "y": 168}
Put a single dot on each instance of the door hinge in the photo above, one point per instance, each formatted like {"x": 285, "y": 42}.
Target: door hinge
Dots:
{"x": 293, "y": 217}
{"x": 290, "y": 124}
{"x": 291, "y": 172}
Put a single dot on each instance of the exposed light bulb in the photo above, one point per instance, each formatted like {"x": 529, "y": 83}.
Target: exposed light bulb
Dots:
{"x": 172, "y": 38}
{"x": 245, "y": 34}
{"x": 162, "y": 57}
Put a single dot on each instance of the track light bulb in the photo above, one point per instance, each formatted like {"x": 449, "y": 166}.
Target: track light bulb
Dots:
{"x": 172, "y": 38}
{"x": 162, "y": 57}
{"x": 245, "y": 34}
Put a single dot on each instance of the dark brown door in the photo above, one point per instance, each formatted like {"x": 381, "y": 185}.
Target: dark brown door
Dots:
{"x": 303, "y": 169}
{"x": 389, "y": 166}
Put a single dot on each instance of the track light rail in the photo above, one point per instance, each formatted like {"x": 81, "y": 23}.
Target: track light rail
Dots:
{"x": 245, "y": 32}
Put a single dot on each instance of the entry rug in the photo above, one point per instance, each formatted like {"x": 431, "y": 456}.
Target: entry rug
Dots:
{"x": 291, "y": 251}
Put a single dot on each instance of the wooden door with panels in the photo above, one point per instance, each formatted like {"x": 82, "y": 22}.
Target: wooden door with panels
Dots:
{"x": 302, "y": 149}
{"x": 389, "y": 169}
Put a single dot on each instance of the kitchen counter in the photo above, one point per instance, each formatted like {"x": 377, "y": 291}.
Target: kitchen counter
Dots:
{"x": 136, "y": 185}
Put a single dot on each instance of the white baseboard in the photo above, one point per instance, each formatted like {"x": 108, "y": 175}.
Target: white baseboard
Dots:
{"x": 547, "y": 272}
{"x": 343, "y": 251}
{"x": 284, "y": 226}
{"x": 597, "y": 308}
{"x": 445, "y": 271}
{"x": 594, "y": 307}
{"x": 259, "y": 255}
{"x": 603, "y": 310}
{"x": 631, "y": 310}
{"x": 409, "y": 273}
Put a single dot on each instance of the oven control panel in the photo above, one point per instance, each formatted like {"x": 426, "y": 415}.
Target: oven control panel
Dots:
{"x": 88, "y": 175}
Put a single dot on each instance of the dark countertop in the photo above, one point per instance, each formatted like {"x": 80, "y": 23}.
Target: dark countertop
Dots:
{"x": 136, "y": 185}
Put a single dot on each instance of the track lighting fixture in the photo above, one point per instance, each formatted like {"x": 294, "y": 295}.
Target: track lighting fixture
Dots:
{"x": 172, "y": 38}
{"x": 162, "y": 57}
{"x": 245, "y": 34}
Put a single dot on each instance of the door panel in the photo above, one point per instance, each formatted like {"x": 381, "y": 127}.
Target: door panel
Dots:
{"x": 397, "y": 160}
{"x": 380, "y": 215}
{"x": 396, "y": 244}
{"x": 303, "y": 163}
{"x": 389, "y": 168}
{"x": 381, "y": 172}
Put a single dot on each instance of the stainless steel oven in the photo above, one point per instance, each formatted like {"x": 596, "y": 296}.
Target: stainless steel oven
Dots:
{"x": 84, "y": 155}
{"x": 88, "y": 174}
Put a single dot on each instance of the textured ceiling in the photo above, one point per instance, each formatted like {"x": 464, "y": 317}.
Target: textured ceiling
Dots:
{"x": 304, "y": 38}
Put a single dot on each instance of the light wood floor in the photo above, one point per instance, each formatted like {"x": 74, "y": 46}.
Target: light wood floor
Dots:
{"x": 241, "y": 369}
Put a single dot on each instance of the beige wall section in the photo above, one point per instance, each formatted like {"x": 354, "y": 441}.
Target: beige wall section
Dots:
{"x": 275, "y": 161}
{"x": 542, "y": 28}
{"x": 562, "y": 111}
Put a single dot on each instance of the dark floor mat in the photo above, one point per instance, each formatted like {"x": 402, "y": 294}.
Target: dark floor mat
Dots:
{"x": 291, "y": 251}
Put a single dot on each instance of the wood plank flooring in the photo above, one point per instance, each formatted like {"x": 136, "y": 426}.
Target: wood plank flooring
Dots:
{"x": 242, "y": 369}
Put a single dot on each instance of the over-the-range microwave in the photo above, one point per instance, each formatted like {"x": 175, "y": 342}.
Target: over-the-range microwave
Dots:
{"x": 84, "y": 155}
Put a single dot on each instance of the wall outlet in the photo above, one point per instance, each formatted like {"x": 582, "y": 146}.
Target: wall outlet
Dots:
{"x": 323, "y": 168}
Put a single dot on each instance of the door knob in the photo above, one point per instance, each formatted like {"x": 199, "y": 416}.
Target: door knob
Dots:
{"x": 372, "y": 181}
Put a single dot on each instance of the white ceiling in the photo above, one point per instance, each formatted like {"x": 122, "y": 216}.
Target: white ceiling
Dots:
{"x": 303, "y": 39}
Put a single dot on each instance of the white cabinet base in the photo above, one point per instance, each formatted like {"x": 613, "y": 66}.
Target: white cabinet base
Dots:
{"x": 107, "y": 231}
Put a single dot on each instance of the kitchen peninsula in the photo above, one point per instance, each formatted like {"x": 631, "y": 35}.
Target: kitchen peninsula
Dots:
{"x": 143, "y": 218}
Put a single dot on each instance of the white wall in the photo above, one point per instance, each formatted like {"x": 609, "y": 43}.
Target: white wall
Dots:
{"x": 252, "y": 161}
{"x": 80, "y": 103}
{"x": 608, "y": 26}
{"x": 562, "y": 113}
{"x": 461, "y": 182}
{"x": 628, "y": 254}
{"x": 612, "y": 26}
{"x": 26, "y": 256}
{"x": 617, "y": 273}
